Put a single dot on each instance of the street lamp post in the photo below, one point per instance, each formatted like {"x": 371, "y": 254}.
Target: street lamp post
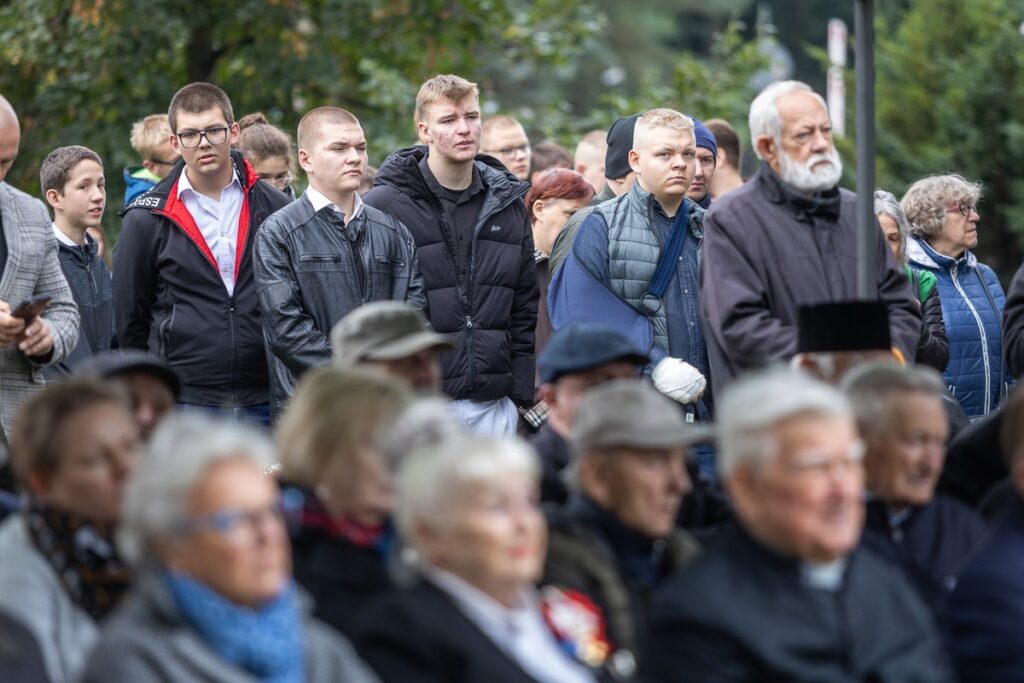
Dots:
{"x": 867, "y": 239}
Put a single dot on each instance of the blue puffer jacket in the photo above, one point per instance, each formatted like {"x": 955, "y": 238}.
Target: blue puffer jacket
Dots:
{"x": 975, "y": 372}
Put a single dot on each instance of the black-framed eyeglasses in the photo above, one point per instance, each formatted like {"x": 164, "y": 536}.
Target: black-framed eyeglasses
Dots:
{"x": 162, "y": 162}
{"x": 193, "y": 138}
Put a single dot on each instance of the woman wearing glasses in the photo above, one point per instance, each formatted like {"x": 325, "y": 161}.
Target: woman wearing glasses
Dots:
{"x": 943, "y": 215}
{"x": 214, "y": 600}
{"x": 270, "y": 151}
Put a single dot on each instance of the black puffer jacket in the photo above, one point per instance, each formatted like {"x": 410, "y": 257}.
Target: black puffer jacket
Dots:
{"x": 491, "y": 302}
{"x": 169, "y": 298}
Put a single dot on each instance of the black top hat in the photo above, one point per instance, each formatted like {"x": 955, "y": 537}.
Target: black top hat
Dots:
{"x": 843, "y": 326}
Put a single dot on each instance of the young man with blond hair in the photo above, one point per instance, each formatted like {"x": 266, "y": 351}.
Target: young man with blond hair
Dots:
{"x": 475, "y": 245}
{"x": 505, "y": 139}
{"x": 151, "y": 140}
{"x": 620, "y": 246}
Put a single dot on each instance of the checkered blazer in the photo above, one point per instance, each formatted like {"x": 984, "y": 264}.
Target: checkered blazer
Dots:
{"x": 32, "y": 270}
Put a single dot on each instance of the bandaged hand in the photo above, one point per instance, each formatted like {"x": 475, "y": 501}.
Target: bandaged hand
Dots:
{"x": 679, "y": 380}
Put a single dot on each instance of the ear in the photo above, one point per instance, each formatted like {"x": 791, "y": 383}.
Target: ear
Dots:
{"x": 304, "y": 163}
{"x": 233, "y": 132}
{"x": 805, "y": 362}
{"x": 766, "y": 148}
{"x": 175, "y": 143}
{"x": 53, "y": 198}
{"x": 429, "y": 542}
{"x": 594, "y": 476}
{"x": 634, "y": 161}
{"x": 741, "y": 487}
{"x": 538, "y": 209}
{"x": 38, "y": 483}
{"x": 423, "y": 133}
{"x": 721, "y": 157}
{"x": 148, "y": 165}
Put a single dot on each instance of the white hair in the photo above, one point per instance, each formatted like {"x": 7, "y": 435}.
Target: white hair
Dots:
{"x": 751, "y": 408}
{"x": 432, "y": 479}
{"x": 183, "y": 449}
{"x": 764, "y": 110}
{"x": 872, "y": 389}
{"x": 424, "y": 423}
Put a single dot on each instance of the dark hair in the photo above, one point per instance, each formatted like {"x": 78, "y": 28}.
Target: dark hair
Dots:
{"x": 260, "y": 140}
{"x": 728, "y": 141}
{"x": 39, "y": 428}
{"x": 549, "y": 155}
{"x": 558, "y": 183}
{"x": 58, "y": 164}
{"x": 198, "y": 97}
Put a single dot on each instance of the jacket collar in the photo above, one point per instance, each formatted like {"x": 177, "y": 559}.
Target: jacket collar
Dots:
{"x": 641, "y": 200}
{"x": 156, "y": 198}
{"x": 921, "y": 253}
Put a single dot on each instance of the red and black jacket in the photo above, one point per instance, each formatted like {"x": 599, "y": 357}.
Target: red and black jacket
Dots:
{"x": 169, "y": 298}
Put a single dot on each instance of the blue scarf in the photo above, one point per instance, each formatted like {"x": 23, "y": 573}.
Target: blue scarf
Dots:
{"x": 266, "y": 642}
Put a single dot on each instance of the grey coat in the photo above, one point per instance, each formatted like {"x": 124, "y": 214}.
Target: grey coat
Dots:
{"x": 32, "y": 269}
{"x": 147, "y": 640}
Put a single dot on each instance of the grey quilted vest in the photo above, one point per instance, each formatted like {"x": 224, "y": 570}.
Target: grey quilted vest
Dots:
{"x": 634, "y": 248}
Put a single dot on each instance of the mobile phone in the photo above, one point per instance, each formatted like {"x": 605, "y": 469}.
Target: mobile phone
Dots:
{"x": 30, "y": 308}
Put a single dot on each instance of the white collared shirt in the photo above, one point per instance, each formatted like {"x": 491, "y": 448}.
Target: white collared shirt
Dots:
{"x": 217, "y": 221}
{"x": 519, "y": 632}
{"x": 62, "y": 238}
{"x": 319, "y": 201}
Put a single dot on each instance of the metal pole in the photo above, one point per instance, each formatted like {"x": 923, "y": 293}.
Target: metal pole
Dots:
{"x": 867, "y": 238}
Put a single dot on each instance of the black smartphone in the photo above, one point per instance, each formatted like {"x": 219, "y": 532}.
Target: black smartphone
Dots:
{"x": 30, "y": 308}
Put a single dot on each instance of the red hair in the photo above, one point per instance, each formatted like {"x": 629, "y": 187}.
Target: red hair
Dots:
{"x": 558, "y": 183}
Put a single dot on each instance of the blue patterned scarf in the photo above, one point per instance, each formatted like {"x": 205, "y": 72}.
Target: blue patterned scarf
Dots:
{"x": 266, "y": 642}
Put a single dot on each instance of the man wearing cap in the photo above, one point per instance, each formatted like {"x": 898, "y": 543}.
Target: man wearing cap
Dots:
{"x": 616, "y": 540}
{"x": 707, "y": 160}
{"x": 152, "y": 387}
{"x": 394, "y": 337}
{"x": 788, "y": 594}
{"x": 619, "y": 178}
{"x": 578, "y": 356}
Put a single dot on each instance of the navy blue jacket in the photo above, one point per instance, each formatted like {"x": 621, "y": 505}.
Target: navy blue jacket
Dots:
{"x": 975, "y": 372}
{"x": 986, "y": 611}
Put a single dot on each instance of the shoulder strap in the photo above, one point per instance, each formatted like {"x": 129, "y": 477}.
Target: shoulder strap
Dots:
{"x": 666, "y": 268}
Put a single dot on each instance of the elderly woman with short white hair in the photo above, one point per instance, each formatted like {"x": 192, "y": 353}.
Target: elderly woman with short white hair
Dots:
{"x": 214, "y": 601}
{"x": 943, "y": 215}
{"x": 469, "y": 509}
{"x": 933, "y": 349}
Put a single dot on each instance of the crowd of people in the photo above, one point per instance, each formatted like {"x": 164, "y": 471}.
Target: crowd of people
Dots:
{"x": 496, "y": 411}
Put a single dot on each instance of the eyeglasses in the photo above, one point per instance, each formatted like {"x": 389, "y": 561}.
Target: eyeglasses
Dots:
{"x": 214, "y": 136}
{"x": 161, "y": 162}
{"x": 279, "y": 181}
{"x": 509, "y": 151}
{"x": 238, "y": 527}
{"x": 965, "y": 209}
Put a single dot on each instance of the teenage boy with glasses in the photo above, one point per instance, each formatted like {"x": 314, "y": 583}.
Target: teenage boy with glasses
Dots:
{"x": 183, "y": 279}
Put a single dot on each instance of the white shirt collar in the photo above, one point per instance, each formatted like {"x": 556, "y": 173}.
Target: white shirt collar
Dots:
{"x": 184, "y": 184}
{"x": 319, "y": 201}
{"x": 481, "y": 605}
{"x": 62, "y": 238}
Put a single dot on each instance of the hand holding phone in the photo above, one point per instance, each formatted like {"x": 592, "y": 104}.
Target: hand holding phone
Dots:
{"x": 31, "y": 308}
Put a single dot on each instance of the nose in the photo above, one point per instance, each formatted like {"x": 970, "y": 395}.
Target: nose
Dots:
{"x": 821, "y": 141}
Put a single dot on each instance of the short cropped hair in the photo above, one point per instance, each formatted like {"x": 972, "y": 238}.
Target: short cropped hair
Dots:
{"x": 728, "y": 141}
{"x": 558, "y": 183}
{"x": 549, "y": 155}
{"x": 259, "y": 139}
{"x": 148, "y": 134}
{"x": 594, "y": 141}
{"x": 926, "y": 201}
{"x": 58, "y": 164}
{"x": 431, "y": 479}
{"x": 37, "y": 437}
{"x": 873, "y": 387}
{"x": 309, "y": 125}
{"x": 184, "y": 448}
{"x": 755, "y": 404}
{"x": 764, "y": 110}
{"x": 443, "y": 87}
{"x": 195, "y": 98}
{"x": 333, "y": 414}
{"x": 492, "y": 123}
{"x": 662, "y": 118}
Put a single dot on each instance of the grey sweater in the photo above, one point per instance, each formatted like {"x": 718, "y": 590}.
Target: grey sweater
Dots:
{"x": 147, "y": 640}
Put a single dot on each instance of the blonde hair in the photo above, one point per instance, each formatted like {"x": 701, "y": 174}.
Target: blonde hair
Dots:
{"x": 335, "y": 412}
{"x": 662, "y": 118}
{"x": 148, "y": 134}
{"x": 443, "y": 87}
{"x": 926, "y": 201}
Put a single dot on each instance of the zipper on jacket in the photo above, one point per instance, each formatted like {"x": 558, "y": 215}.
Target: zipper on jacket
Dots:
{"x": 984, "y": 339}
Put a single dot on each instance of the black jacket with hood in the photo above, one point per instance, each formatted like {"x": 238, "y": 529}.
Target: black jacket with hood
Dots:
{"x": 169, "y": 298}
{"x": 489, "y": 305}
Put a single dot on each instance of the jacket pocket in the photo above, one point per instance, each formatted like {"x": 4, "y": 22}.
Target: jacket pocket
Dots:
{"x": 314, "y": 262}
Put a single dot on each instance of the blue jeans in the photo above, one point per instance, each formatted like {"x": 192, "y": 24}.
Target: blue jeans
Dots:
{"x": 258, "y": 414}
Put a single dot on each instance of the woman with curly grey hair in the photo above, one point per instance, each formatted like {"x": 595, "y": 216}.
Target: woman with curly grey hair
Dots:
{"x": 943, "y": 214}
{"x": 933, "y": 349}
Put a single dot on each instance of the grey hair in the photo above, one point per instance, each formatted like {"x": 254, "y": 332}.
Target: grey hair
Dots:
{"x": 887, "y": 204}
{"x": 926, "y": 201}
{"x": 182, "y": 450}
{"x": 871, "y": 389}
{"x": 764, "y": 110}
{"x": 432, "y": 479}
{"x": 426, "y": 422}
{"x": 751, "y": 408}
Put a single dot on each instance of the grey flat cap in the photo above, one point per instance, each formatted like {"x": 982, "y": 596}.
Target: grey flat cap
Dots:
{"x": 383, "y": 330}
{"x": 631, "y": 413}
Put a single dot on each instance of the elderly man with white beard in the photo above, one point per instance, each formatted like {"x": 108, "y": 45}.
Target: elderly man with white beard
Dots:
{"x": 787, "y": 239}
